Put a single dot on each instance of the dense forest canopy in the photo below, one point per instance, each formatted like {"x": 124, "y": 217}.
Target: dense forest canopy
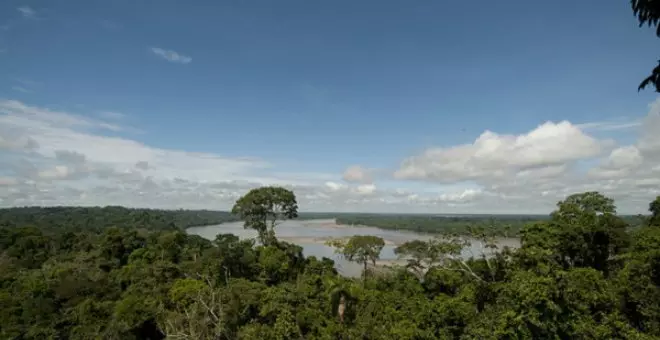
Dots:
{"x": 582, "y": 273}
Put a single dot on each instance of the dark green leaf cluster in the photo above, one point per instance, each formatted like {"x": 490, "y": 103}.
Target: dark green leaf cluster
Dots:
{"x": 261, "y": 208}
{"x": 579, "y": 274}
{"x": 648, "y": 13}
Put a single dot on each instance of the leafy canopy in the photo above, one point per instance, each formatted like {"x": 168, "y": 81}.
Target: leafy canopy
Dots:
{"x": 580, "y": 274}
{"x": 363, "y": 249}
{"x": 648, "y": 13}
{"x": 261, "y": 208}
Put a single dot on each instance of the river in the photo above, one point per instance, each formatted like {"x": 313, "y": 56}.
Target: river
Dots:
{"x": 311, "y": 235}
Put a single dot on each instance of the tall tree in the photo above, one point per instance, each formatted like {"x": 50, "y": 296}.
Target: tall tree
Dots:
{"x": 360, "y": 248}
{"x": 443, "y": 251}
{"x": 654, "y": 208}
{"x": 648, "y": 13}
{"x": 583, "y": 232}
{"x": 262, "y": 208}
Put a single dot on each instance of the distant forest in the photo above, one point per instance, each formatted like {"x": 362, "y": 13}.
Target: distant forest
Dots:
{"x": 501, "y": 225}
{"x": 99, "y": 218}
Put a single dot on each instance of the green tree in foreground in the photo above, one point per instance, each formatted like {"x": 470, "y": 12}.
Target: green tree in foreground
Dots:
{"x": 362, "y": 249}
{"x": 261, "y": 208}
{"x": 581, "y": 274}
{"x": 654, "y": 208}
{"x": 648, "y": 13}
{"x": 583, "y": 232}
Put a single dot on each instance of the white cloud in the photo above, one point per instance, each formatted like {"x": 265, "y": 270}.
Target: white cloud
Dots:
{"x": 51, "y": 157}
{"x": 171, "y": 56}
{"x": 619, "y": 163}
{"x": 649, "y": 142}
{"x": 532, "y": 171}
{"x": 464, "y": 196}
{"x": 26, "y": 11}
{"x": 57, "y": 172}
{"x": 334, "y": 186}
{"x": 356, "y": 173}
{"x": 63, "y": 151}
{"x": 365, "y": 189}
{"x": 34, "y": 117}
{"x": 493, "y": 155}
{"x": 58, "y": 158}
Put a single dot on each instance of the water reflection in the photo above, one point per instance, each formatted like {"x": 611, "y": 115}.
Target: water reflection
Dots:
{"x": 311, "y": 234}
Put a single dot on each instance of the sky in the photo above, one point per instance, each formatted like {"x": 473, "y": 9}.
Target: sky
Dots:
{"x": 357, "y": 106}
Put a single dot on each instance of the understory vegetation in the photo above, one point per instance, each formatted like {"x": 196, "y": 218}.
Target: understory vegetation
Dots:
{"x": 115, "y": 273}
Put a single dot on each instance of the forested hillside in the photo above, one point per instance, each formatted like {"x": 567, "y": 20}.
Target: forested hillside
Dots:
{"x": 578, "y": 275}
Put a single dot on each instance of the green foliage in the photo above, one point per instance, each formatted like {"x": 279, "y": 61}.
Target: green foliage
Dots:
{"x": 654, "y": 208}
{"x": 363, "y": 249}
{"x": 579, "y": 274}
{"x": 583, "y": 232}
{"x": 261, "y": 208}
{"x": 648, "y": 13}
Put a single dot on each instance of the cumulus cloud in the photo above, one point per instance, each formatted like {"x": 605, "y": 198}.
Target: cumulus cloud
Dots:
{"x": 366, "y": 189}
{"x": 51, "y": 157}
{"x": 492, "y": 154}
{"x": 532, "y": 171}
{"x": 620, "y": 162}
{"x": 58, "y": 158}
{"x": 171, "y": 56}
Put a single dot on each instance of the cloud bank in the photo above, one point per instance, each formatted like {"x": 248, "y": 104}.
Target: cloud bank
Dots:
{"x": 50, "y": 157}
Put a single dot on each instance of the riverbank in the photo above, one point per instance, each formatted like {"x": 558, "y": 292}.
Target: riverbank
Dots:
{"x": 312, "y": 236}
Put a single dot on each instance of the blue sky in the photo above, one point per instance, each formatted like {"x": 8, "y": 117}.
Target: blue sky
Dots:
{"x": 316, "y": 87}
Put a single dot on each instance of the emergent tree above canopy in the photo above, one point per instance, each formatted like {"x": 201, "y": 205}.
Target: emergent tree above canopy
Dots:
{"x": 261, "y": 208}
